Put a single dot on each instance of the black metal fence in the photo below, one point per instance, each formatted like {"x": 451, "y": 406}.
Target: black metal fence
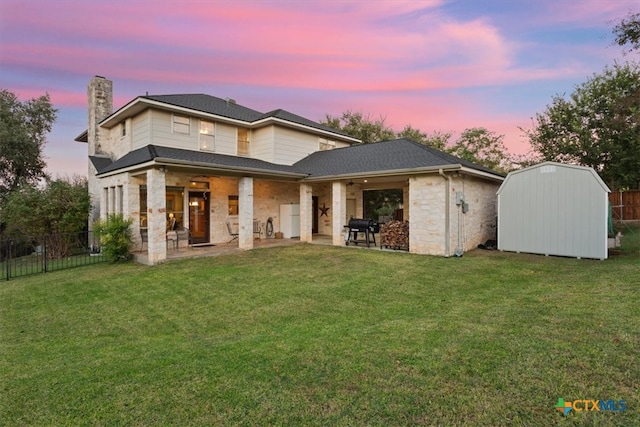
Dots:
{"x": 39, "y": 254}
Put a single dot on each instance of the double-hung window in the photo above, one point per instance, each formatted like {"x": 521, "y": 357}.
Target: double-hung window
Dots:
{"x": 181, "y": 124}
{"x": 207, "y": 136}
{"x": 326, "y": 144}
{"x": 243, "y": 142}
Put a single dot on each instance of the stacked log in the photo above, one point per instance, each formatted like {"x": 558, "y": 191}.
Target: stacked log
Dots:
{"x": 395, "y": 235}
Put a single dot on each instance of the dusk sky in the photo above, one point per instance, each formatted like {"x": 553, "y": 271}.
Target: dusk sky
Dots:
{"x": 436, "y": 65}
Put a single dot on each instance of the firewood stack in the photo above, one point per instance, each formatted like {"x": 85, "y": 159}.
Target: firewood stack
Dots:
{"x": 395, "y": 235}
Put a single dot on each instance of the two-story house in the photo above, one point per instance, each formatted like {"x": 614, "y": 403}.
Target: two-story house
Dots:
{"x": 203, "y": 163}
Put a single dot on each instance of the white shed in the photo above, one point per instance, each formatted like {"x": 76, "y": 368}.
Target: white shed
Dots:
{"x": 554, "y": 209}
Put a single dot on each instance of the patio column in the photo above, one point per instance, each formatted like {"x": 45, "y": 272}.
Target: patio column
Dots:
{"x": 339, "y": 207}
{"x": 306, "y": 213}
{"x": 156, "y": 216}
{"x": 245, "y": 214}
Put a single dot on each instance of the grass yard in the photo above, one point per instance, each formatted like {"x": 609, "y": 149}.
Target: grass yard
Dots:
{"x": 313, "y": 335}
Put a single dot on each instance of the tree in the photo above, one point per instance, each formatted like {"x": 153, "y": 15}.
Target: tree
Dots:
{"x": 358, "y": 126}
{"x": 23, "y": 130}
{"x": 597, "y": 126}
{"x": 628, "y": 31}
{"x": 60, "y": 206}
{"x": 437, "y": 140}
{"x": 483, "y": 147}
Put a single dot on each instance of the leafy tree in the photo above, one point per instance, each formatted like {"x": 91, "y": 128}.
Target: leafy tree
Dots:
{"x": 437, "y": 140}
{"x": 381, "y": 202}
{"x": 23, "y": 129}
{"x": 58, "y": 210}
{"x": 628, "y": 31}
{"x": 60, "y": 206}
{"x": 597, "y": 126}
{"x": 362, "y": 127}
{"x": 483, "y": 147}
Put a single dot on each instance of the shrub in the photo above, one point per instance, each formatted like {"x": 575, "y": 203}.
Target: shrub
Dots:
{"x": 115, "y": 237}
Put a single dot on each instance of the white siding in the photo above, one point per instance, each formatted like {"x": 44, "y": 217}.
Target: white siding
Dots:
{"x": 262, "y": 143}
{"x": 163, "y": 135}
{"x": 554, "y": 209}
{"x": 226, "y": 139}
{"x": 141, "y": 130}
{"x": 291, "y": 145}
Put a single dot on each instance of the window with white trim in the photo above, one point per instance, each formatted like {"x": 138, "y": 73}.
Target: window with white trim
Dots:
{"x": 181, "y": 124}
{"x": 243, "y": 142}
{"x": 326, "y": 144}
{"x": 207, "y": 136}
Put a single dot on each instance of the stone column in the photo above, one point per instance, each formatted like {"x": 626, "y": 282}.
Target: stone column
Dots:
{"x": 306, "y": 213}
{"x": 156, "y": 216}
{"x": 245, "y": 213}
{"x": 339, "y": 207}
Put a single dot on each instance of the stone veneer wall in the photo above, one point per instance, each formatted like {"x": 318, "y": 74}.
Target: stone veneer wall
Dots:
{"x": 428, "y": 210}
{"x": 479, "y": 224}
{"x": 426, "y": 206}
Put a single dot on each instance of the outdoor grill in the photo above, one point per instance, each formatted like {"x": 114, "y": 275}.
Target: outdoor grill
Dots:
{"x": 366, "y": 226}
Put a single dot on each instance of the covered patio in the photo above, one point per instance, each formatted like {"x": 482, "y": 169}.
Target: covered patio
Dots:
{"x": 202, "y": 251}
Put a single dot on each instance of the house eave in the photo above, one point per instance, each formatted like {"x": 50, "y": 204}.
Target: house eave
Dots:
{"x": 205, "y": 168}
{"x": 405, "y": 172}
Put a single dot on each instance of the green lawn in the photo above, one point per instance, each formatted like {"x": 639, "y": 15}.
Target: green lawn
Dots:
{"x": 316, "y": 335}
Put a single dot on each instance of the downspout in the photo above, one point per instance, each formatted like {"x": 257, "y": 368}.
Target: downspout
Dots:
{"x": 447, "y": 219}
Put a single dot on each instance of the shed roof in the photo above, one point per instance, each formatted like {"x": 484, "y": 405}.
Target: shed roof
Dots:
{"x": 530, "y": 169}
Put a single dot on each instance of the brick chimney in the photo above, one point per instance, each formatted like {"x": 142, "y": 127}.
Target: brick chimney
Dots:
{"x": 100, "y": 97}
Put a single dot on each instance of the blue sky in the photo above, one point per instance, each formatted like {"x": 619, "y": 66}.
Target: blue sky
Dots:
{"x": 437, "y": 65}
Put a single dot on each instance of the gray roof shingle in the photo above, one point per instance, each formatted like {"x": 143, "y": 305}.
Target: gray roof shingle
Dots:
{"x": 230, "y": 109}
{"x": 378, "y": 157}
{"x": 209, "y": 104}
{"x": 213, "y": 160}
{"x": 387, "y": 156}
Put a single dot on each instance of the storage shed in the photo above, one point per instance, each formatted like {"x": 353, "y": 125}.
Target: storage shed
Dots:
{"x": 554, "y": 209}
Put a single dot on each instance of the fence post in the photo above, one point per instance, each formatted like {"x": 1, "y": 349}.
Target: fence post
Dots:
{"x": 8, "y": 261}
{"x": 44, "y": 253}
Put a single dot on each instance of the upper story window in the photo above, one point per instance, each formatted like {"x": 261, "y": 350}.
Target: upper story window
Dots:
{"x": 181, "y": 124}
{"x": 243, "y": 142}
{"x": 207, "y": 135}
{"x": 123, "y": 129}
{"x": 326, "y": 144}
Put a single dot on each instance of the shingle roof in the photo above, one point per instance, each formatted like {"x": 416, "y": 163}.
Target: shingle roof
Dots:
{"x": 230, "y": 109}
{"x": 290, "y": 117}
{"x": 190, "y": 157}
{"x": 209, "y": 104}
{"x": 379, "y": 157}
{"x": 388, "y": 156}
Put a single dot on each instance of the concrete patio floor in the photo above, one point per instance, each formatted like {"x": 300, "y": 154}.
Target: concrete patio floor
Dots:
{"x": 232, "y": 247}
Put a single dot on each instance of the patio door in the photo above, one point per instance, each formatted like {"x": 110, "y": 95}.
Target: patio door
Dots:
{"x": 314, "y": 209}
{"x": 199, "y": 217}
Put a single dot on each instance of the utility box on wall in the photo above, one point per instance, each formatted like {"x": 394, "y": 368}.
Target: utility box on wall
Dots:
{"x": 554, "y": 209}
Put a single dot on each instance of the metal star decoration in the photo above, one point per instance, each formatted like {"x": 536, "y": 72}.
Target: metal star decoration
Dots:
{"x": 324, "y": 210}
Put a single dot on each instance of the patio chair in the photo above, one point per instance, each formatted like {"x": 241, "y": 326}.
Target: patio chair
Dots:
{"x": 257, "y": 229}
{"x": 183, "y": 233}
{"x": 233, "y": 235}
